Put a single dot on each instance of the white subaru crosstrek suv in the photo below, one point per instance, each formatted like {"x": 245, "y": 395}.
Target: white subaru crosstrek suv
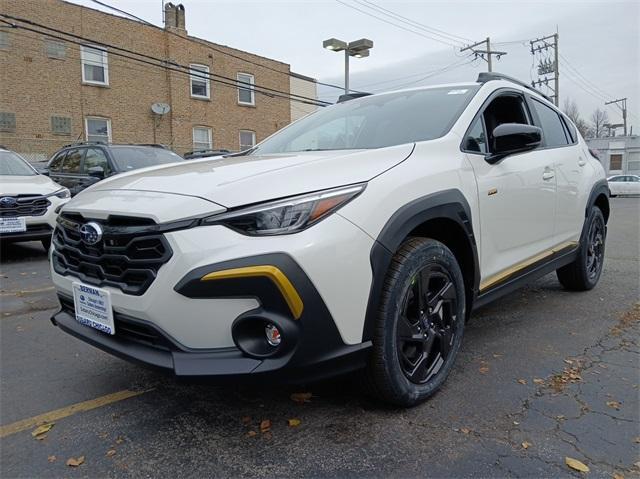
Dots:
{"x": 357, "y": 238}
{"x": 28, "y": 201}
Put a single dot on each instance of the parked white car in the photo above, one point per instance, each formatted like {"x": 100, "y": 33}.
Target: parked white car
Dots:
{"x": 624, "y": 185}
{"x": 359, "y": 237}
{"x": 28, "y": 201}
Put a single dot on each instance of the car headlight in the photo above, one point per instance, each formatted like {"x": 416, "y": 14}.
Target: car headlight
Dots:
{"x": 289, "y": 215}
{"x": 61, "y": 193}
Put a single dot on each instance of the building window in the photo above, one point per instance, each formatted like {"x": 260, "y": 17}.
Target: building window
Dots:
{"x": 7, "y": 121}
{"x": 55, "y": 49}
{"x": 202, "y": 139}
{"x": 95, "y": 65}
{"x": 5, "y": 40}
{"x": 615, "y": 162}
{"x": 247, "y": 139}
{"x": 60, "y": 125}
{"x": 98, "y": 129}
{"x": 200, "y": 81}
{"x": 246, "y": 94}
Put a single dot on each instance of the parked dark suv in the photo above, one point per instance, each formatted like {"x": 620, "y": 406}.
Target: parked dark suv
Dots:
{"x": 80, "y": 165}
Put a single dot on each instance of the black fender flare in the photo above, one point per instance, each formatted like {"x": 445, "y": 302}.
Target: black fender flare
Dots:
{"x": 448, "y": 204}
{"x": 601, "y": 187}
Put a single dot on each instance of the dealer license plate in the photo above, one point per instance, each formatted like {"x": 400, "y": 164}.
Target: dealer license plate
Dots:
{"x": 93, "y": 307}
{"x": 13, "y": 225}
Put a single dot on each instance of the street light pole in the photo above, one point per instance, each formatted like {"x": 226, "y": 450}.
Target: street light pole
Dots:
{"x": 359, "y": 49}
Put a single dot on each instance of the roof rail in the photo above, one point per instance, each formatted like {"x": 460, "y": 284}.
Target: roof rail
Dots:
{"x": 351, "y": 96}
{"x": 79, "y": 143}
{"x": 484, "y": 77}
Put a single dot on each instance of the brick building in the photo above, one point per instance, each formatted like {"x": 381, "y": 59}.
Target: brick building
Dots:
{"x": 55, "y": 92}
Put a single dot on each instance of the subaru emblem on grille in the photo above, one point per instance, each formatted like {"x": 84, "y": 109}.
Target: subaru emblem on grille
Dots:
{"x": 8, "y": 201}
{"x": 91, "y": 233}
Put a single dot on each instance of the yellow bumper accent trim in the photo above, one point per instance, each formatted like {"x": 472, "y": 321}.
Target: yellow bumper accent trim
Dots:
{"x": 285, "y": 287}
{"x": 497, "y": 278}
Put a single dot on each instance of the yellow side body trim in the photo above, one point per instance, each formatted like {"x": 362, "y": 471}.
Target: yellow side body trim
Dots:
{"x": 497, "y": 278}
{"x": 285, "y": 287}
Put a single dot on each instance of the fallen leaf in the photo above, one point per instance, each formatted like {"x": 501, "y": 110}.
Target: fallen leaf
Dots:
{"x": 576, "y": 465}
{"x": 614, "y": 404}
{"x": 568, "y": 361}
{"x": 637, "y": 440}
{"x": 119, "y": 440}
{"x": 73, "y": 462}
{"x": 301, "y": 397}
{"x": 497, "y": 356}
{"x": 111, "y": 452}
{"x": 637, "y": 464}
{"x": 617, "y": 475}
{"x": 246, "y": 420}
{"x": 52, "y": 458}
{"x": 294, "y": 422}
{"x": 42, "y": 429}
{"x": 251, "y": 433}
{"x": 522, "y": 381}
{"x": 526, "y": 445}
{"x": 560, "y": 417}
{"x": 538, "y": 381}
{"x": 484, "y": 370}
{"x": 265, "y": 426}
{"x": 41, "y": 437}
{"x": 516, "y": 423}
{"x": 465, "y": 430}
{"x": 267, "y": 435}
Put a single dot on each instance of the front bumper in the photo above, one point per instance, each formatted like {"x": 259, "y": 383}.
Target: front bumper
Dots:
{"x": 38, "y": 227}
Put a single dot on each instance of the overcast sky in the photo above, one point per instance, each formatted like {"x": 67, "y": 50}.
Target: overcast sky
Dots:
{"x": 599, "y": 41}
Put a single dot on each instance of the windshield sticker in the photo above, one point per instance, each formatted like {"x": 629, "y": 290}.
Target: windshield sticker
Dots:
{"x": 457, "y": 92}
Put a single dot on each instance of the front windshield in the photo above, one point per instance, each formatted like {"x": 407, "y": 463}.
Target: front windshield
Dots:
{"x": 374, "y": 121}
{"x": 13, "y": 165}
{"x": 131, "y": 157}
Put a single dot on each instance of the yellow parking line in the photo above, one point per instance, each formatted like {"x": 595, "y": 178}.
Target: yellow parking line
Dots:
{"x": 67, "y": 411}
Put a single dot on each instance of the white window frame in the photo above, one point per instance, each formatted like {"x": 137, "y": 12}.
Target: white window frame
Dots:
{"x": 105, "y": 64}
{"x": 201, "y": 69}
{"x": 253, "y": 133}
{"x": 86, "y": 126}
{"x": 209, "y": 134}
{"x": 243, "y": 86}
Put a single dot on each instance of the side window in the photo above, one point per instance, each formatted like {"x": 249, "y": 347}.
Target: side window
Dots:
{"x": 505, "y": 109}
{"x": 476, "y": 140}
{"x": 96, "y": 157}
{"x": 553, "y": 131}
{"x": 56, "y": 163}
{"x": 573, "y": 134}
{"x": 72, "y": 162}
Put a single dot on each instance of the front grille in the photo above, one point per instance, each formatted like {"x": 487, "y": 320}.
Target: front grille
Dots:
{"x": 128, "y": 256}
{"x": 129, "y": 329}
{"x": 23, "y": 205}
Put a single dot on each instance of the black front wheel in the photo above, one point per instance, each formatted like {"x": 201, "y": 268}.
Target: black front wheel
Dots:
{"x": 583, "y": 274}
{"x": 420, "y": 323}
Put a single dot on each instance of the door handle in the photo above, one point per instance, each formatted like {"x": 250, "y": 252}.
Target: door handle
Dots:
{"x": 581, "y": 162}
{"x": 548, "y": 175}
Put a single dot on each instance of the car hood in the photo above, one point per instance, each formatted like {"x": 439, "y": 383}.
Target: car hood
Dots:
{"x": 235, "y": 181}
{"x": 27, "y": 185}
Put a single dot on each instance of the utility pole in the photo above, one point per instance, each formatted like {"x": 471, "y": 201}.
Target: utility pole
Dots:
{"x": 487, "y": 51}
{"x": 546, "y": 66}
{"x": 623, "y": 102}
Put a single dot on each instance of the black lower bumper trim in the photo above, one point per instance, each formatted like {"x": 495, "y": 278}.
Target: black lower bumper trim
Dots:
{"x": 228, "y": 363}
{"x": 33, "y": 233}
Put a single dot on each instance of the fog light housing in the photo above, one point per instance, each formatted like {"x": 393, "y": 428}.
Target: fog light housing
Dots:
{"x": 273, "y": 335}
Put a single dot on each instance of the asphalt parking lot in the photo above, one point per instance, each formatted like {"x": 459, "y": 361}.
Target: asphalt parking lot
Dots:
{"x": 544, "y": 374}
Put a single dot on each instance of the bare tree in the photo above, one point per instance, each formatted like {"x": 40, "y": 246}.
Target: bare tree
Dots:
{"x": 598, "y": 119}
{"x": 570, "y": 108}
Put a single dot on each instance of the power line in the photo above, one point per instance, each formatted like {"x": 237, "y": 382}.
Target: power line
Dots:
{"x": 209, "y": 45}
{"x": 396, "y": 25}
{"x": 413, "y": 23}
{"x": 161, "y": 62}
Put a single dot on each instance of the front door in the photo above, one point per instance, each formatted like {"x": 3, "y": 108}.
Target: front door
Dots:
{"x": 516, "y": 196}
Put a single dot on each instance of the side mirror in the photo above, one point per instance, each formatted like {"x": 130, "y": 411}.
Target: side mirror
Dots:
{"x": 511, "y": 138}
{"x": 96, "y": 172}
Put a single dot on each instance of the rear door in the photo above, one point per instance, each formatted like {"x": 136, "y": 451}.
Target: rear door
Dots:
{"x": 571, "y": 169}
{"x": 516, "y": 196}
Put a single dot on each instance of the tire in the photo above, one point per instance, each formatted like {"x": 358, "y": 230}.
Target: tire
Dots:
{"x": 46, "y": 244}
{"x": 400, "y": 371}
{"x": 583, "y": 274}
